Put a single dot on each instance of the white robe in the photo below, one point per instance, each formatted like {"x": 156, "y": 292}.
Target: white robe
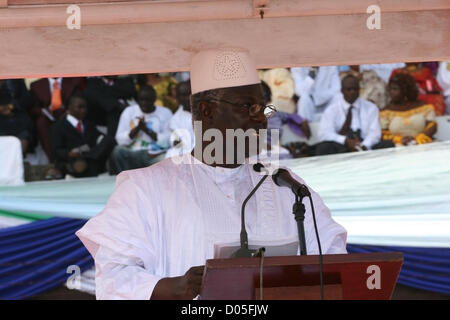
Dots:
{"x": 164, "y": 219}
{"x": 315, "y": 94}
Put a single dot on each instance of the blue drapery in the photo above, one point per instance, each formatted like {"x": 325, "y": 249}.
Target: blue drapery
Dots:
{"x": 34, "y": 258}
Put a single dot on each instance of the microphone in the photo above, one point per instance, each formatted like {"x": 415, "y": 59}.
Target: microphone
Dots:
{"x": 244, "y": 251}
{"x": 283, "y": 178}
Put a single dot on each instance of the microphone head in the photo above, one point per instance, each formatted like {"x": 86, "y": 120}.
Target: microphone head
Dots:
{"x": 257, "y": 167}
{"x": 276, "y": 176}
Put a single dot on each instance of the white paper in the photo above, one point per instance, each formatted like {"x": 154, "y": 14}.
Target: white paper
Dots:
{"x": 284, "y": 247}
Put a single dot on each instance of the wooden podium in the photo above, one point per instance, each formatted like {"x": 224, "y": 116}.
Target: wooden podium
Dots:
{"x": 345, "y": 276}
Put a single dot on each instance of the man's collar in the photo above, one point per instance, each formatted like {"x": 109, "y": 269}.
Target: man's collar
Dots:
{"x": 72, "y": 120}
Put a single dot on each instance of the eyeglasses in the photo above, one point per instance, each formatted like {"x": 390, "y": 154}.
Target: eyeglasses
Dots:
{"x": 253, "y": 109}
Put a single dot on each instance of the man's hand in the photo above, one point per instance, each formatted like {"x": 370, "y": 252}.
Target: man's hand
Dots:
{"x": 140, "y": 126}
{"x": 352, "y": 143}
{"x": 151, "y": 134}
{"x": 407, "y": 139}
{"x": 73, "y": 155}
{"x": 305, "y": 128}
{"x": 186, "y": 287}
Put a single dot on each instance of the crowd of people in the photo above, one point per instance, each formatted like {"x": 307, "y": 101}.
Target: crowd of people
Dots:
{"x": 88, "y": 126}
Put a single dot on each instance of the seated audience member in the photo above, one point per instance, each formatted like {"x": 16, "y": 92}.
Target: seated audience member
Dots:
{"x": 15, "y": 122}
{"x": 429, "y": 90}
{"x": 297, "y": 125}
{"x": 106, "y": 98}
{"x": 407, "y": 120}
{"x": 164, "y": 85}
{"x": 180, "y": 125}
{"x": 372, "y": 87}
{"x": 350, "y": 123}
{"x": 21, "y": 97}
{"x": 143, "y": 133}
{"x": 80, "y": 149}
{"x": 50, "y": 96}
{"x": 443, "y": 78}
{"x": 281, "y": 85}
{"x": 316, "y": 88}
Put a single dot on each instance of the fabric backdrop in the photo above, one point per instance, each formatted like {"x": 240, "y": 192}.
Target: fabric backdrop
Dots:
{"x": 398, "y": 196}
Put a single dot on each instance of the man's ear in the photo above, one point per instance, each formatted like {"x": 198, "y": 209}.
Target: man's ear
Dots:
{"x": 205, "y": 109}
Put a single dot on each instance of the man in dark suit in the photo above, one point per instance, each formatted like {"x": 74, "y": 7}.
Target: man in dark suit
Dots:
{"x": 21, "y": 97}
{"x": 107, "y": 97}
{"x": 14, "y": 121}
{"x": 80, "y": 149}
{"x": 50, "y": 97}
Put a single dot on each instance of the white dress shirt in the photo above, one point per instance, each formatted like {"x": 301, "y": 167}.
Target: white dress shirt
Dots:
{"x": 364, "y": 117}
{"x": 74, "y": 121}
{"x": 164, "y": 219}
{"x": 158, "y": 121}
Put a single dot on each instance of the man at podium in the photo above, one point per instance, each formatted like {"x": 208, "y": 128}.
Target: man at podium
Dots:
{"x": 161, "y": 223}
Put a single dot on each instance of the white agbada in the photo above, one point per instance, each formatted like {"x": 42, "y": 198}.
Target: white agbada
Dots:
{"x": 315, "y": 94}
{"x": 164, "y": 219}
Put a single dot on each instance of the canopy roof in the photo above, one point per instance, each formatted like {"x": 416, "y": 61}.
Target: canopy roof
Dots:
{"x": 157, "y": 36}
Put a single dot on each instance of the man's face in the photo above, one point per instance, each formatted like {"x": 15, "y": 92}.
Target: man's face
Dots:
{"x": 146, "y": 101}
{"x": 350, "y": 89}
{"x": 234, "y": 114}
{"x": 5, "y": 110}
{"x": 78, "y": 109}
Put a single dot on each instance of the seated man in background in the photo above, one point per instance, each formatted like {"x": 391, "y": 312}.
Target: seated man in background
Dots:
{"x": 180, "y": 125}
{"x": 107, "y": 97}
{"x": 21, "y": 96}
{"x": 350, "y": 123}
{"x": 316, "y": 88}
{"x": 143, "y": 133}
{"x": 50, "y": 97}
{"x": 15, "y": 122}
{"x": 80, "y": 149}
{"x": 296, "y": 124}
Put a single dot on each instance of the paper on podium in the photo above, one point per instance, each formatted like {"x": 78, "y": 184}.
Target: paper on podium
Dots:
{"x": 284, "y": 247}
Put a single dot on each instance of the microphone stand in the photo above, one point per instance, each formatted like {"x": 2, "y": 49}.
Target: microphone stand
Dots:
{"x": 244, "y": 251}
{"x": 299, "y": 210}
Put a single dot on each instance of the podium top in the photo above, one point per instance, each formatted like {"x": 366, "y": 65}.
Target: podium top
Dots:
{"x": 362, "y": 276}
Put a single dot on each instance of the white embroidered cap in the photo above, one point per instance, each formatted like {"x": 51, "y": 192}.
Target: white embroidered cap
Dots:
{"x": 222, "y": 68}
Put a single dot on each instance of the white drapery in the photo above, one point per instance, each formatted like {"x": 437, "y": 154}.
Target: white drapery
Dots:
{"x": 11, "y": 163}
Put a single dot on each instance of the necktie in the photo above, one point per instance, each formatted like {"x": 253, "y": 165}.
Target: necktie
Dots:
{"x": 347, "y": 123}
{"x": 56, "y": 97}
{"x": 79, "y": 127}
